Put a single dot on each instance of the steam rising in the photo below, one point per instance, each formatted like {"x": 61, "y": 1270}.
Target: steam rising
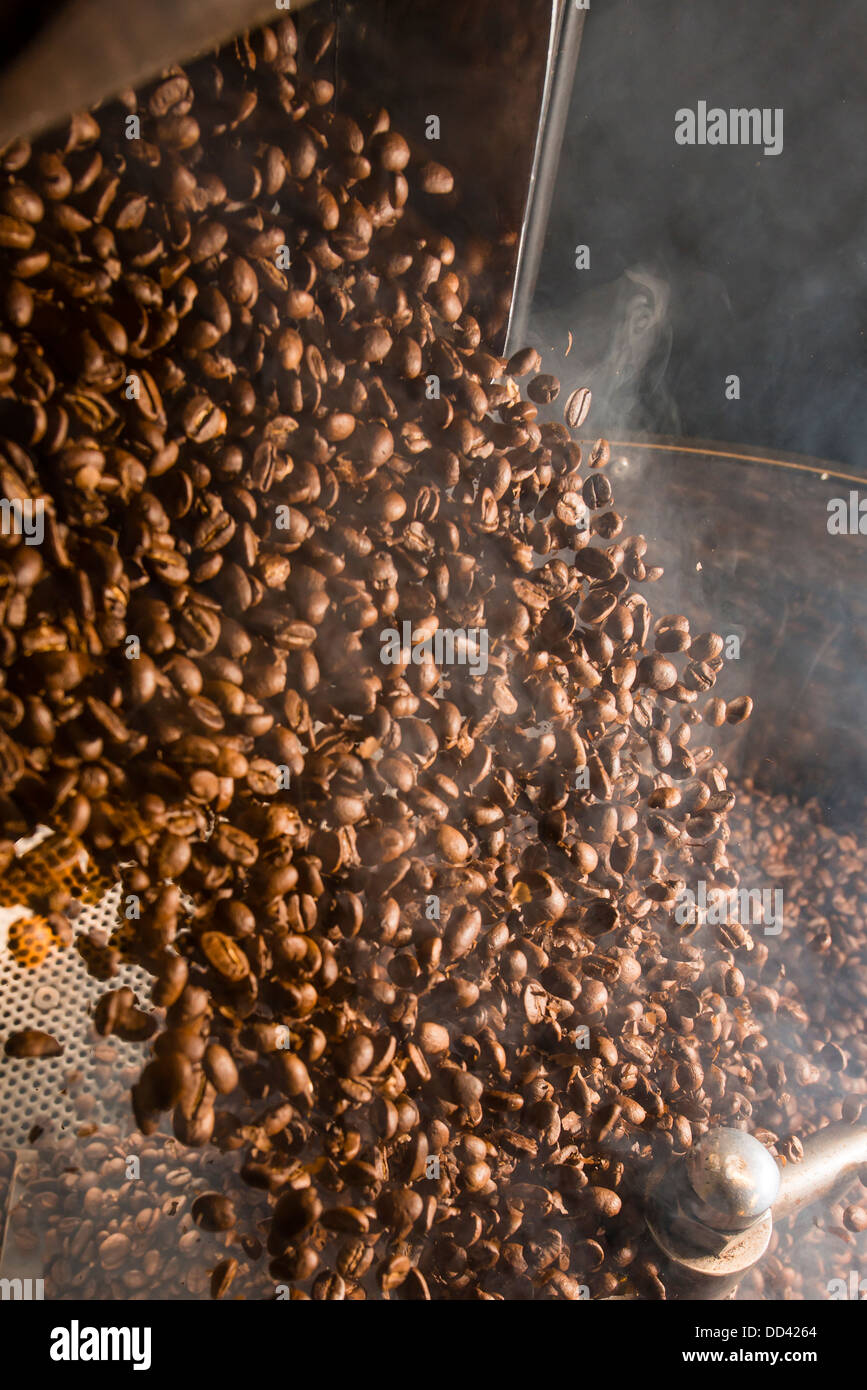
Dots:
{"x": 754, "y": 265}
{"x": 621, "y": 351}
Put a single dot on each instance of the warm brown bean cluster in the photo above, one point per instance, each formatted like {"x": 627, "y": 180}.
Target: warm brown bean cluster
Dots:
{"x": 412, "y": 925}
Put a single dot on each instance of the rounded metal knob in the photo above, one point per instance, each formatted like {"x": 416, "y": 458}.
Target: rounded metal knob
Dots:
{"x": 734, "y": 1178}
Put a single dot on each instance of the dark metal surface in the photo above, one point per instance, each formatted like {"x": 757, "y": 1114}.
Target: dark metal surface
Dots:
{"x": 565, "y": 40}
{"x": 88, "y": 50}
{"x": 702, "y": 1264}
{"x": 833, "y": 1158}
{"x": 707, "y": 1261}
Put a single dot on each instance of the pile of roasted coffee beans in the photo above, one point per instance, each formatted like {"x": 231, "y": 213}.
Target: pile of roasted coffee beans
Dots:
{"x": 133, "y": 1218}
{"x": 412, "y": 927}
{"x": 800, "y": 1050}
{"x": 185, "y": 1227}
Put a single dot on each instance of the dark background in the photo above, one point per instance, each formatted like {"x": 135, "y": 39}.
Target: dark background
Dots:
{"x": 707, "y": 261}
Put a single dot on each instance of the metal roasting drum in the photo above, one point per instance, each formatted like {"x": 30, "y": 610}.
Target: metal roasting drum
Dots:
{"x": 712, "y": 1213}
{"x": 732, "y": 527}
{"x": 62, "y": 58}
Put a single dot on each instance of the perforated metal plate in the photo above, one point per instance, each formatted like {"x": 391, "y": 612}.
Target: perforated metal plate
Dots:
{"x": 58, "y": 997}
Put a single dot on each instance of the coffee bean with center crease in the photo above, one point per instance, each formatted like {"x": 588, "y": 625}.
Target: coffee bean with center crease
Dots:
{"x": 543, "y": 389}
{"x": 31, "y": 1042}
{"x": 193, "y": 1118}
{"x": 597, "y": 491}
{"x": 202, "y": 420}
{"x": 578, "y": 407}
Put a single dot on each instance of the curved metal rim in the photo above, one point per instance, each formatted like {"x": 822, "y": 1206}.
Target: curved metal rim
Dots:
{"x": 801, "y": 463}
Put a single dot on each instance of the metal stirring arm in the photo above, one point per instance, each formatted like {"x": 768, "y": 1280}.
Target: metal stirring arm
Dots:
{"x": 712, "y": 1214}
{"x": 833, "y": 1158}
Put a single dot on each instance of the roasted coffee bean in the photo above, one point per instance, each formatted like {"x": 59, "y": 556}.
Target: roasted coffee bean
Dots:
{"x": 855, "y": 1218}
{"x": 435, "y": 178}
{"x": 202, "y": 420}
{"x": 453, "y": 845}
{"x": 739, "y": 710}
{"x": 656, "y": 672}
{"x": 715, "y": 713}
{"x": 15, "y": 234}
{"x": 222, "y": 1277}
{"x": 577, "y": 409}
{"x": 225, "y": 956}
{"x": 597, "y": 564}
{"x": 296, "y": 1211}
{"x": 544, "y": 389}
{"x": 30, "y": 1042}
{"x": 599, "y": 454}
{"x": 164, "y": 1081}
{"x": 597, "y": 491}
{"x": 524, "y": 361}
{"x": 329, "y": 1285}
{"x": 214, "y": 1212}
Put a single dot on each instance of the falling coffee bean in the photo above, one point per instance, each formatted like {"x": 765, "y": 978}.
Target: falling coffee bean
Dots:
{"x": 578, "y": 407}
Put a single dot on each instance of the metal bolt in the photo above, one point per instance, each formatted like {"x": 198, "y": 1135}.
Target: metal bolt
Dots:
{"x": 45, "y": 997}
{"x": 734, "y": 1177}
